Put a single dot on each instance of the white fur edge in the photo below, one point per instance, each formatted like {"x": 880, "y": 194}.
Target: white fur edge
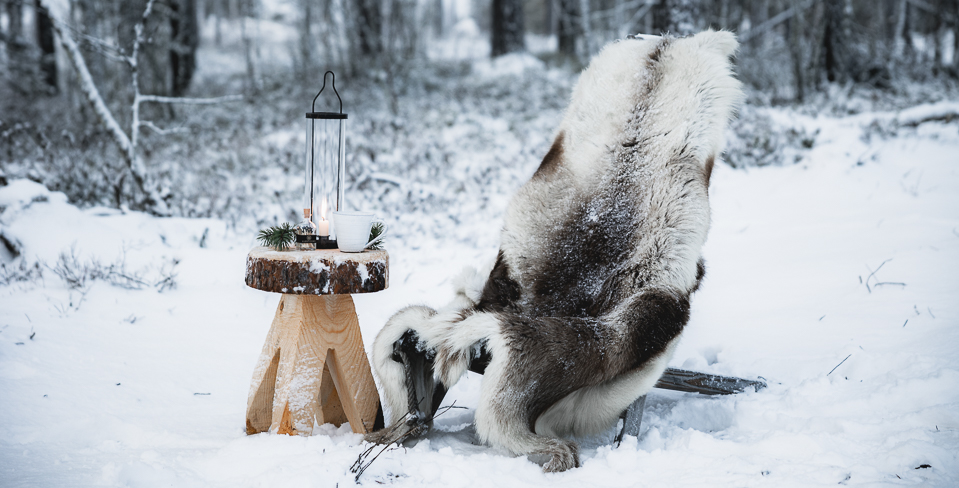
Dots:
{"x": 491, "y": 429}
{"x": 460, "y": 338}
{"x": 470, "y": 283}
{"x": 467, "y": 288}
{"x": 595, "y": 409}
{"x": 390, "y": 373}
{"x": 697, "y": 87}
{"x": 439, "y": 331}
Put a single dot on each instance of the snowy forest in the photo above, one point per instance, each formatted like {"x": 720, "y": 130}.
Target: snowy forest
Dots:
{"x": 143, "y": 143}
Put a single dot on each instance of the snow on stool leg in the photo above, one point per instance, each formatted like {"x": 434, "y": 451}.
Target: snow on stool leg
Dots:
{"x": 313, "y": 366}
{"x": 259, "y": 409}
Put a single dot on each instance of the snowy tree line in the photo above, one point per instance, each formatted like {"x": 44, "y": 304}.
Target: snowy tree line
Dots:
{"x": 101, "y": 98}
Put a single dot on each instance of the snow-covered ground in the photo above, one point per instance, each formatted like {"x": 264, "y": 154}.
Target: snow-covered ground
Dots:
{"x": 847, "y": 258}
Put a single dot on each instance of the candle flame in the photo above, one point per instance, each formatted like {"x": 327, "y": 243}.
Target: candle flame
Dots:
{"x": 323, "y": 209}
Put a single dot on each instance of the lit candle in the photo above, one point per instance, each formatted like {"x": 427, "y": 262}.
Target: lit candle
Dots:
{"x": 323, "y": 225}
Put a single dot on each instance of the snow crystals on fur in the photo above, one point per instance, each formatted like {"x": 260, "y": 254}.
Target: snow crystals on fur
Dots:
{"x": 599, "y": 253}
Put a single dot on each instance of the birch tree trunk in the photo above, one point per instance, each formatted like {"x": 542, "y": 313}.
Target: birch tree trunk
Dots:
{"x": 306, "y": 37}
{"x": 253, "y": 85}
{"x": 123, "y": 143}
{"x": 796, "y": 44}
{"x": 586, "y": 29}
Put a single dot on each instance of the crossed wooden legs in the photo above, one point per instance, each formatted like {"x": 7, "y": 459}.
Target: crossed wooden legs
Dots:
{"x": 313, "y": 365}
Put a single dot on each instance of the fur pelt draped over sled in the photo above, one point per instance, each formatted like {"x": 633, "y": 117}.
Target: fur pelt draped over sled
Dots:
{"x": 599, "y": 254}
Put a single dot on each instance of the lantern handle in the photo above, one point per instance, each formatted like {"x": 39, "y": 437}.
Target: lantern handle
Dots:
{"x": 333, "y": 84}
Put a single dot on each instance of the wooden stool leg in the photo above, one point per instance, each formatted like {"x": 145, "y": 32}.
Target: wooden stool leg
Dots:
{"x": 284, "y": 395}
{"x": 298, "y": 386}
{"x": 349, "y": 367}
{"x": 313, "y": 366}
{"x": 259, "y": 405}
{"x": 331, "y": 409}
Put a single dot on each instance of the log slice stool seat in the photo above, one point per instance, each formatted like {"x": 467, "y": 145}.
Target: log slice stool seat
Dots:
{"x": 313, "y": 365}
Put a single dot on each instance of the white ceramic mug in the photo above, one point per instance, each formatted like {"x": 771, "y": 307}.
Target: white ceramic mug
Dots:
{"x": 353, "y": 230}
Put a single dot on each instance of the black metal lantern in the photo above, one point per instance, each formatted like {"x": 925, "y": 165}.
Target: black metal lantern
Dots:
{"x": 325, "y": 166}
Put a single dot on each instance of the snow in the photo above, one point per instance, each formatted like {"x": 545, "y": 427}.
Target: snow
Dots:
{"x": 939, "y": 110}
{"x": 846, "y": 258}
{"x": 510, "y": 64}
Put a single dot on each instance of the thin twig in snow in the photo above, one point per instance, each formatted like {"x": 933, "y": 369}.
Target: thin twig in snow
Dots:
{"x": 873, "y": 273}
{"x": 838, "y": 365}
{"x": 359, "y": 467}
{"x": 889, "y": 283}
{"x": 930, "y": 312}
{"x": 906, "y": 322}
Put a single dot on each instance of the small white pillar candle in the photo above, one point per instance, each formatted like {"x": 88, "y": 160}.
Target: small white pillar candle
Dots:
{"x": 323, "y": 225}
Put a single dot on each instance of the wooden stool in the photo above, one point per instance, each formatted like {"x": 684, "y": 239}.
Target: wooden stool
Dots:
{"x": 313, "y": 364}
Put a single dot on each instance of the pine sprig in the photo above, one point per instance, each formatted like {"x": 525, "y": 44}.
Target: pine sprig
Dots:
{"x": 376, "y": 231}
{"x": 279, "y": 237}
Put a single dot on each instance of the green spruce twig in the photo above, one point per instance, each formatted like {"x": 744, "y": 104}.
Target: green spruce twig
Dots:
{"x": 376, "y": 231}
{"x": 279, "y": 237}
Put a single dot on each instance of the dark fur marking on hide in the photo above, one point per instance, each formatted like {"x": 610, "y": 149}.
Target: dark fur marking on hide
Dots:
{"x": 552, "y": 160}
{"x": 657, "y": 53}
{"x": 479, "y": 361}
{"x": 501, "y": 291}
{"x": 554, "y": 350}
{"x": 464, "y": 314}
{"x": 708, "y": 170}
{"x": 584, "y": 251}
{"x": 700, "y": 272}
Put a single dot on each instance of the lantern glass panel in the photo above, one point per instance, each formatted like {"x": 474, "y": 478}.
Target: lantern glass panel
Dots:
{"x": 325, "y": 148}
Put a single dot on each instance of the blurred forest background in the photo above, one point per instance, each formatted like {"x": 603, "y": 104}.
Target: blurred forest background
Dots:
{"x": 195, "y": 107}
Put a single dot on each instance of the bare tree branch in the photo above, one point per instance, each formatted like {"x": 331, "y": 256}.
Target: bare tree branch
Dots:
{"x": 89, "y": 89}
{"x": 640, "y": 13}
{"x": 127, "y": 144}
{"x": 161, "y": 131}
{"x": 133, "y": 61}
{"x": 189, "y": 101}
{"x": 932, "y": 10}
{"x": 773, "y": 22}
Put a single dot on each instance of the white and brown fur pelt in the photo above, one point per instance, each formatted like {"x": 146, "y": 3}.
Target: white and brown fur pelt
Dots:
{"x": 599, "y": 254}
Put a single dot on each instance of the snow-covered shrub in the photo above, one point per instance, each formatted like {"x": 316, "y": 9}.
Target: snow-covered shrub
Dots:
{"x": 756, "y": 139}
{"x": 79, "y": 274}
{"x": 19, "y": 272}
